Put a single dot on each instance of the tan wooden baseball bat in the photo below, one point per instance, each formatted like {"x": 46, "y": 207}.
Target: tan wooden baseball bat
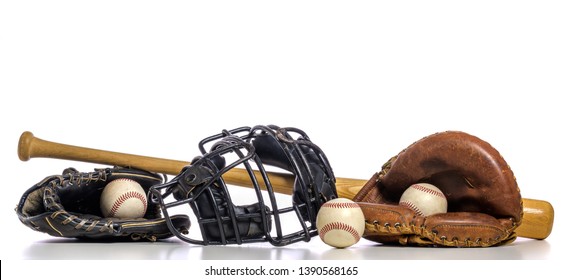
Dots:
{"x": 538, "y": 216}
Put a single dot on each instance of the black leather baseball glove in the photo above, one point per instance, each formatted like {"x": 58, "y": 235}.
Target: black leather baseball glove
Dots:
{"x": 68, "y": 205}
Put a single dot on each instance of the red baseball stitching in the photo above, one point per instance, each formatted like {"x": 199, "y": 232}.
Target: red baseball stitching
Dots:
{"x": 341, "y": 226}
{"x": 428, "y": 190}
{"x": 122, "y": 198}
{"x": 413, "y": 207}
{"x": 125, "y": 179}
{"x": 340, "y": 205}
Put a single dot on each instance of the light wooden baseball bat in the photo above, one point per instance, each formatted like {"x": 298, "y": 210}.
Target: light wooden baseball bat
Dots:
{"x": 538, "y": 216}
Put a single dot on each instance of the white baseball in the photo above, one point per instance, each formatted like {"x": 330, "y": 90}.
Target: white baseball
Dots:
{"x": 123, "y": 198}
{"x": 424, "y": 199}
{"x": 340, "y": 222}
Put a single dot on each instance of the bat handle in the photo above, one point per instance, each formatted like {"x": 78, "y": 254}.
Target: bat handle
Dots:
{"x": 30, "y": 146}
{"x": 33, "y": 147}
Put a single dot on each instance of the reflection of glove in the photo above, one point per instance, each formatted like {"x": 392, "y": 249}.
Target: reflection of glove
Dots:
{"x": 484, "y": 203}
{"x": 69, "y": 206}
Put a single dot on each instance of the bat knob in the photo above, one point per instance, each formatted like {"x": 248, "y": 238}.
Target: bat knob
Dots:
{"x": 24, "y": 146}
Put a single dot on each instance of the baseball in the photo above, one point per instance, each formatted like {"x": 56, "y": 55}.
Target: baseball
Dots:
{"x": 123, "y": 198}
{"x": 424, "y": 199}
{"x": 340, "y": 222}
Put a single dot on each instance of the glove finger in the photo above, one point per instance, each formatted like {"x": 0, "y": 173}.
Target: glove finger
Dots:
{"x": 385, "y": 223}
{"x": 467, "y": 229}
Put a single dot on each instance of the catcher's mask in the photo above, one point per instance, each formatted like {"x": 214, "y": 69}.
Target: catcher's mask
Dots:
{"x": 202, "y": 186}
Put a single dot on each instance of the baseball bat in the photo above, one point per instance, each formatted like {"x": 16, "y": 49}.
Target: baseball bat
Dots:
{"x": 538, "y": 215}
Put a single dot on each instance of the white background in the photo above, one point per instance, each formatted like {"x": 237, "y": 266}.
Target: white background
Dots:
{"x": 364, "y": 79}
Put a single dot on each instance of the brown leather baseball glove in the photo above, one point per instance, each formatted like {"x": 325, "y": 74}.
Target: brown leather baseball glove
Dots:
{"x": 484, "y": 203}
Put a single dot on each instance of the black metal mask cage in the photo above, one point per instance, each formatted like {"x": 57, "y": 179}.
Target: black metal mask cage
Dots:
{"x": 244, "y": 153}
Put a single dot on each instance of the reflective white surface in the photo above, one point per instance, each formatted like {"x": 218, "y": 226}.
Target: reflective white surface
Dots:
{"x": 59, "y": 249}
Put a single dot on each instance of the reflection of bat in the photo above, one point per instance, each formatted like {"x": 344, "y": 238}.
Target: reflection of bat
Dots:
{"x": 537, "y": 222}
